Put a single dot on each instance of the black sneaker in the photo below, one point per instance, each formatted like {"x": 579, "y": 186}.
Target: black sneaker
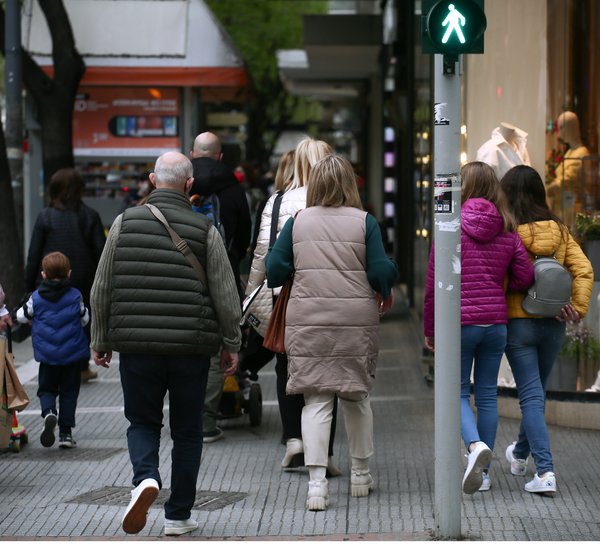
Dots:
{"x": 65, "y": 440}
{"x": 47, "y": 437}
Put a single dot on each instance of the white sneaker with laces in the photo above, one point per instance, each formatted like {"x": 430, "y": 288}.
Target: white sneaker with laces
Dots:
{"x": 486, "y": 483}
{"x": 142, "y": 498}
{"x": 518, "y": 466}
{"x": 477, "y": 461}
{"x": 544, "y": 484}
{"x": 180, "y": 526}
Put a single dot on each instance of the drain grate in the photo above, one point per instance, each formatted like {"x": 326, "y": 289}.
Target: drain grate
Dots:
{"x": 63, "y": 455}
{"x": 120, "y": 496}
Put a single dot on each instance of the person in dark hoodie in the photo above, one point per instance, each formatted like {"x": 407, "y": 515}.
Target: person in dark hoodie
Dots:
{"x": 212, "y": 176}
{"x": 57, "y": 315}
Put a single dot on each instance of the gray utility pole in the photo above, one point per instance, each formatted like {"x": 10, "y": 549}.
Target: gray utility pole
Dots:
{"x": 446, "y": 207}
{"x": 14, "y": 107}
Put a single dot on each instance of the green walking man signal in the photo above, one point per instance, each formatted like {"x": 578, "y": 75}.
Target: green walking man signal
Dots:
{"x": 453, "y": 26}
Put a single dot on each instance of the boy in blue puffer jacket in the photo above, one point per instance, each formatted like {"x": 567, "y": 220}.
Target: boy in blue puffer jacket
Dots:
{"x": 57, "y": 314}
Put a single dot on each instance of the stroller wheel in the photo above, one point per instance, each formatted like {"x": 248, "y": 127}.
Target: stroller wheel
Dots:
{"x": 255, "y": 404}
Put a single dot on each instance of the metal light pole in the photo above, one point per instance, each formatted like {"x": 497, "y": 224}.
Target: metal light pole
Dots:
{"x": 14, "y": 107}
{"x": 448, "y": 463}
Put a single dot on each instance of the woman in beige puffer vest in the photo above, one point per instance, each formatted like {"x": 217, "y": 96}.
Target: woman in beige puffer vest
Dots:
{"x": 342, "y": 284}
{"x": 292, "y": 179}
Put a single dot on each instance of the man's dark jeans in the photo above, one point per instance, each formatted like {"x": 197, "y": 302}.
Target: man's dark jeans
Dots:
{"x": 145, "y": 380}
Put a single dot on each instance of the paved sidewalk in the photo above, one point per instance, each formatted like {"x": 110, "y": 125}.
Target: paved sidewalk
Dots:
{"x": 244, "y": 495}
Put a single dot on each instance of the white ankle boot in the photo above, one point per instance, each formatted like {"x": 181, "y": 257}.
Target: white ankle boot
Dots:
{"x": 318, "y": 495}
{"x": 294, "y": 454}
{"x": 361, "y": 483}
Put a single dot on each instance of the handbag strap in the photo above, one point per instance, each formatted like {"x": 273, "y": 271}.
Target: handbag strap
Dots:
{"x": 181, "y": 245}
{"x": 275, "y": 218}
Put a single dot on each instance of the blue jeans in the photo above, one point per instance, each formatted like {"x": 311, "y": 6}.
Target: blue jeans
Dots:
{"x": 145, "y": 380}
{"x": 481, "y": 349}
{"x": 532, "y": 347}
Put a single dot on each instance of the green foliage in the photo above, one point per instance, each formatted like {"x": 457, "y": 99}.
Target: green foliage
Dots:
{"x": 580, "y": 343}
{"x": 261, "y": 27}
{"x": 587, "y": 227}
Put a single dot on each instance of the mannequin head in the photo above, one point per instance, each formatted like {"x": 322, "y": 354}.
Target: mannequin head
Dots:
{"x": 568, "y": 128}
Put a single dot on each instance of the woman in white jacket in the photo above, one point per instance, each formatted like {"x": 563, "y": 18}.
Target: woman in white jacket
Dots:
{"x": 291, "y": 179}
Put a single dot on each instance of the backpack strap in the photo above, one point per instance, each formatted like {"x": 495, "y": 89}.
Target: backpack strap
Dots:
{"x": 275, "y": 218}
{"x": 181, "y": 245}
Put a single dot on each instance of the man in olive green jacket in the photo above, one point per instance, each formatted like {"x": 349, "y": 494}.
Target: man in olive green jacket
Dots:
{"x": 150, "y": 305}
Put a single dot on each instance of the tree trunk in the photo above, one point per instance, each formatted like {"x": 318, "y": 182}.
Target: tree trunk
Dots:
{"x": 12, "y": 275}
{"x": 54, "y": 98}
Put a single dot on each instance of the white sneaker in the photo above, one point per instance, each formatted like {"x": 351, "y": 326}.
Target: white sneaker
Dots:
{"x": 361, "y": 483}
{"x": 518, "y": 466}
{"x": 318, "y": 495}
{"x": 142, "y": 498}
{"x": 544, "y": 484}
{"x": 486, "y": 483}
{"x": 180, "y": 526}
{"x": 478, "y": 459}
{"x": 294, "y": 454}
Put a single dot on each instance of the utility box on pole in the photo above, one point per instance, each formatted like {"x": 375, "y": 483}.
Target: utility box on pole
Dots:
{"x": 449, "y": 28}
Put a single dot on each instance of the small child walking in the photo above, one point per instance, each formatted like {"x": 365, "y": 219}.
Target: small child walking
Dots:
{"x": 57, "y": 315}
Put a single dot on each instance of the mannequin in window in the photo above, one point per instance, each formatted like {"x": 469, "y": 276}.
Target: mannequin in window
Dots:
{"x": 567, "y": 186}
{"x": 505, "y": 149}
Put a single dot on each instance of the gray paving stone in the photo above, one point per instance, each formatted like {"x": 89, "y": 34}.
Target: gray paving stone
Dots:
{"x": 37, "y": 484}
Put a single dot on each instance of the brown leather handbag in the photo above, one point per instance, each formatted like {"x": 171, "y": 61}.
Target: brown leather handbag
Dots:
{"x": 275, "y": 334}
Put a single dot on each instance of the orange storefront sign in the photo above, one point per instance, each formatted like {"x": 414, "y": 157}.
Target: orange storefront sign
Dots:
{"x": 126, "y": 121}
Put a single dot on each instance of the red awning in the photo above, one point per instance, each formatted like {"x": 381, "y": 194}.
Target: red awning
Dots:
{"x": 223, "y": 77}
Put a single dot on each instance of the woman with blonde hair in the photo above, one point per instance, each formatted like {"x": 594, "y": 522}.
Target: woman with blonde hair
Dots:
{"x": 491, "y": 254}
{"x": 342, "y": 284}
{"x": 291, "y": 183}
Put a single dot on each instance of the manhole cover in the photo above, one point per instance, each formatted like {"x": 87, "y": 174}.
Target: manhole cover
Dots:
{"x": 120, "y": 496}
{"x": 63, "y": 455}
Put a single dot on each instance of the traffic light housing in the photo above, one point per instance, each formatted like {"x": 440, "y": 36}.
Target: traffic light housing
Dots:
{"x": 453, "y": 26}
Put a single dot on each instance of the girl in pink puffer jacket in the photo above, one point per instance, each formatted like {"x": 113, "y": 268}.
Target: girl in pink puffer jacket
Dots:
{"x": 492, "y": 259}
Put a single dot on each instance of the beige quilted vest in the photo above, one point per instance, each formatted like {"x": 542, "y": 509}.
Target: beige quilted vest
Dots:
{"x": 332, "y": 321}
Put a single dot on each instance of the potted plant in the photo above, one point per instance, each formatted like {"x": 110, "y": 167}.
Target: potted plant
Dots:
{"x": 587, "y": 229}
{"x": 579, "y": 345}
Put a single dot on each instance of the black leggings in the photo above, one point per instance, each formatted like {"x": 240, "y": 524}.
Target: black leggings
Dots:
{"x": 290, "y": 406}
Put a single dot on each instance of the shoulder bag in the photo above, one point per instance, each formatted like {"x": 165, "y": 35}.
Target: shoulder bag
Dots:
{"x": 258, "y": 306}
{"x": 275, "y": 334}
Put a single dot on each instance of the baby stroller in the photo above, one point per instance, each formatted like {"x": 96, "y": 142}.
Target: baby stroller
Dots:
{"x": 241, "y": 396}
{"x": 241, "y": 392}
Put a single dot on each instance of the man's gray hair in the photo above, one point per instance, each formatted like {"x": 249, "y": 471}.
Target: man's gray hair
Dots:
{"x": 173, "y": 173}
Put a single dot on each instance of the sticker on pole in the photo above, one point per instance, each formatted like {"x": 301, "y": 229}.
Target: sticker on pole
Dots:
{"x": 442, "y": 193}
{"x": 438, "y": 114}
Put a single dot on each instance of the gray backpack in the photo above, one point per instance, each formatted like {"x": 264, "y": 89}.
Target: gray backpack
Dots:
{"x": 551, "y": 290}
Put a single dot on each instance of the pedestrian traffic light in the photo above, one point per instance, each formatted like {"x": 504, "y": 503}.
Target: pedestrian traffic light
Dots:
{"x": 453, "y": 26}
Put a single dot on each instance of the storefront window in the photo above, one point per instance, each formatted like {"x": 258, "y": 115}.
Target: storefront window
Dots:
{"x": 539, "y": 75}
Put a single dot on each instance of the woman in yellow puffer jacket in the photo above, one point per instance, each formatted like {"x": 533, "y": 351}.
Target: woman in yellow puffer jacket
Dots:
{"x": 534, "y": 342}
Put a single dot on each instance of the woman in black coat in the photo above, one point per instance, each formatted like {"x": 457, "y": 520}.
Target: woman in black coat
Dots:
{"x": 71, "y": 227}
